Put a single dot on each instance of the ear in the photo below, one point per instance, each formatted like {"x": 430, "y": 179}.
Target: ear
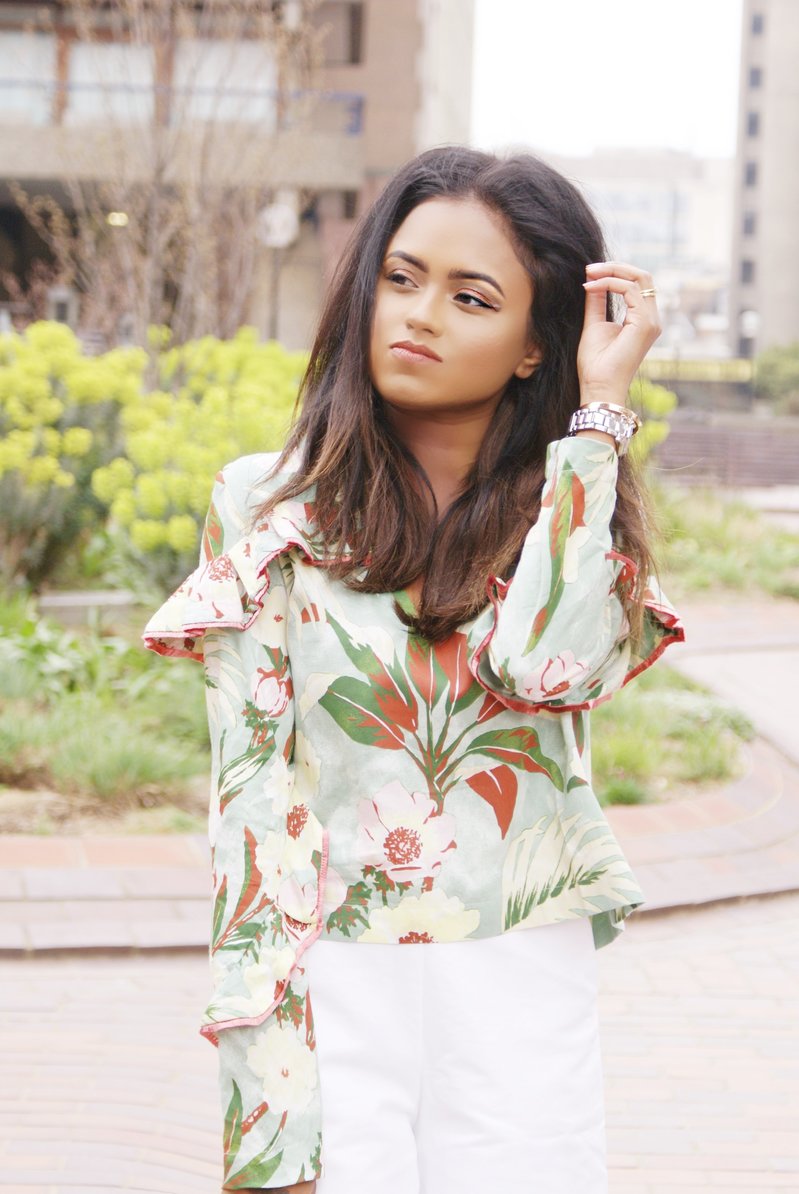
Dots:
{"x": 529, "y": 363}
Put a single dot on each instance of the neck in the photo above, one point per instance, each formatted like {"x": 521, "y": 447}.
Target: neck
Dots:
{"x": 446, "y": 446}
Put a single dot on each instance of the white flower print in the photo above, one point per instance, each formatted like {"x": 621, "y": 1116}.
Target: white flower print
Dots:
{"x": 307, "y": 766}
{"x": 315, "y": 688}
{"x": 261, "y": 979}
{"x": 400, "y": 831}
{"x": 286, "y": 1067}
{"x": 278, "y": 786}
{"x": 432, "y": 916}
{"x": 334, "y": 894}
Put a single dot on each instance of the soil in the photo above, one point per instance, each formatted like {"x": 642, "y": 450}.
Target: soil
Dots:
{"x": 40, "y": 810}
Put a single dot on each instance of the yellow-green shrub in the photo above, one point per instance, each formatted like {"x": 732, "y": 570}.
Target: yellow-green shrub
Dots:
{"x": 84, "y": 439}
{"x": 58, "y": 422}
{"x": 654, "y": 404}
{"x": 219, "y": 399}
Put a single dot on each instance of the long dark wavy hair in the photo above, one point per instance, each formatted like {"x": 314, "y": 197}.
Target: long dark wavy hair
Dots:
{"x": 367, "y": 491}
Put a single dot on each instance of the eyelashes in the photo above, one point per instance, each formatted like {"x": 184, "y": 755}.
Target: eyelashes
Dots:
{"x": 400, "y": 280}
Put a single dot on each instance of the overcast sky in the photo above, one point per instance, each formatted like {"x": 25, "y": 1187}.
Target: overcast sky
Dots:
{"x": 569, "y": 76}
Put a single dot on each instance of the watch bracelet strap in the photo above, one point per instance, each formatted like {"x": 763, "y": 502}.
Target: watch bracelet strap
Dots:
{"x": 619, "y": 422}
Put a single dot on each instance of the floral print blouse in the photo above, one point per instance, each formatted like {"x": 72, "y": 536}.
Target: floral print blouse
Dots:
{"x": 369, "y": 786}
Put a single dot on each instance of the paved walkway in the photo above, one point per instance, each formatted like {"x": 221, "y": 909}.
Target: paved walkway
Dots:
{"x": 108, "y": 1087}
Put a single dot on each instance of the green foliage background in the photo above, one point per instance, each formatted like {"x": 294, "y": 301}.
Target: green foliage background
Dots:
{"x": 126, "y": 446}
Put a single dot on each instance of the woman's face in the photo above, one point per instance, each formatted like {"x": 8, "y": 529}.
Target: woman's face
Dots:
{"x": 452, "y": 311}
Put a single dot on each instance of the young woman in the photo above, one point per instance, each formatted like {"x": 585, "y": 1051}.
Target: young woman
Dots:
{"x": 404, "y": 621}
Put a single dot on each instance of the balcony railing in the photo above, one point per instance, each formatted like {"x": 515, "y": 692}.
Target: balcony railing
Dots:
{"x": 47, "y": 102}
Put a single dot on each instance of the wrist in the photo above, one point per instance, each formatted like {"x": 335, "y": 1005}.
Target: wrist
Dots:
{"x": 604, "y": 394}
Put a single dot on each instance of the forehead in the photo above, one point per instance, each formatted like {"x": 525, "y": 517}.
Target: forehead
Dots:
{"x": 461, "y": 234}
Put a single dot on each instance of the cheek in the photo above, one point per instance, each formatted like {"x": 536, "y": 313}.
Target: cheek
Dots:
{"x": 493, "y": 351}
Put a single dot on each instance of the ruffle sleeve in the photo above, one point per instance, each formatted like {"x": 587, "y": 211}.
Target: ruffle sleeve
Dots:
{"x": 557, "y": 636}
{"x": 229, "y": 587}
{"x": 267, "y": 888}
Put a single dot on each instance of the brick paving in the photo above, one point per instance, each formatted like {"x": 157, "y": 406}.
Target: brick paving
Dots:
{"x": 108, "y": 1087}
{"x": 700, "y": 1037}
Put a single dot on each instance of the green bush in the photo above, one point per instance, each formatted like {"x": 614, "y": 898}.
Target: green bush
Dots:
{"x": 776, "y": 377}
{"x": 220, "y": 400}
{"x": 654, "y": 404}
{"x": 59, "y": 422}
{"x": 710, "y": 542}
{"x": 90, "y": 454}
{"x": 95, "y": 716}
{"x": 661, "y": 733}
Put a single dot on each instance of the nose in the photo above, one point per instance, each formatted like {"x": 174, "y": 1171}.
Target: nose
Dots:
{"x": 424, "y": 313}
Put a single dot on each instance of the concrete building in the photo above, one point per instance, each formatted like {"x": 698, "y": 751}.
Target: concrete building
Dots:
{"x": 670, "y": 213}
{"x": 391, "y": 82}
{"x": 764, "y": 297}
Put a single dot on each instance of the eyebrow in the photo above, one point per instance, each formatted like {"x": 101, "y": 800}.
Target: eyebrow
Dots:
{"x": 463, "y": 274}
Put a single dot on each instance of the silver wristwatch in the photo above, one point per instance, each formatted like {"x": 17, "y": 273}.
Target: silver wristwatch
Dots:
{"x": 618, "y": 421}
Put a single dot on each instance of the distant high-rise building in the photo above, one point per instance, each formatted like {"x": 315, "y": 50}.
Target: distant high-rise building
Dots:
{"x": 764, "y": 290}
{"x": 669, "y": 213}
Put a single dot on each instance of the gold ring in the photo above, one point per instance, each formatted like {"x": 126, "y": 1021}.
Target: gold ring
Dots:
{"x": 648, "y": 293}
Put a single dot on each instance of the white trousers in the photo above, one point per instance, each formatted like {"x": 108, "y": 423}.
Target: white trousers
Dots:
{"x": 461, "y": 1068}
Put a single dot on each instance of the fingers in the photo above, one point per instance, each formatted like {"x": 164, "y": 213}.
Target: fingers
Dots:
{"x": 620, "y": 269}
{"x": 628, "y": 281}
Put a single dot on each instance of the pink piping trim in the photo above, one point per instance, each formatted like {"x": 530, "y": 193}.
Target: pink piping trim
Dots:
{"x": 666, "y": 617}
{"x": 155, "y": 642}
{"x": 210, "y": 1030}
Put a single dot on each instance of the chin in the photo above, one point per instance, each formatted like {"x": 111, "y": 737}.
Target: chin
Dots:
{"x": 407, "y": 396}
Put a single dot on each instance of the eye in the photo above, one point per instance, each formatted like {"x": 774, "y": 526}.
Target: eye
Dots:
{"x": 475, "y": 300}
{"x": 398, "y": 278}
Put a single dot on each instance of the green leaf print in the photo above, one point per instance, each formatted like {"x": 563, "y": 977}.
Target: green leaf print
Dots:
{"x": 316, "y": 1157}
{"x": 251, "y": 883}
{"x": 291, "y": 1008}
{"x": 554, "y": 858}
{"x": 212, "y": 534}
{"x": 361, "y": 654}
{"x": 518, "y": 748}
{"x": 238, "y": 771}
{"x": 392, "y": 692}
{"x": 231, "y": 1135}
{"x": 351, "y": 912}
{"x": 354, "y": 707}
{"x": 425, "y": 670}
{"x": 255, "y": 1172}
{"x": 568, "y": 502}
{"x": 220, "y": 903}
{"x": 383, "y": 883}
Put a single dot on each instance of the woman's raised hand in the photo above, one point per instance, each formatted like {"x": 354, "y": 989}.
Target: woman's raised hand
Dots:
{"x": 609, "y": 353}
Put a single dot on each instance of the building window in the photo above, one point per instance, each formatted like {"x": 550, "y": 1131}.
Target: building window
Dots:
{"x": 747, "y": 270}
{"x": 752, "y": 124}
{"x": 757, "y": 22}
{"x": 343, "y": 25}
{"x": 749, "y": 223}
{"x": 750, "y": 174}
{"x": 755, "y": 76}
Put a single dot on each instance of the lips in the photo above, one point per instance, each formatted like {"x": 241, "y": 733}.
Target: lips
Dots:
{"x": 410, "y": 351}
